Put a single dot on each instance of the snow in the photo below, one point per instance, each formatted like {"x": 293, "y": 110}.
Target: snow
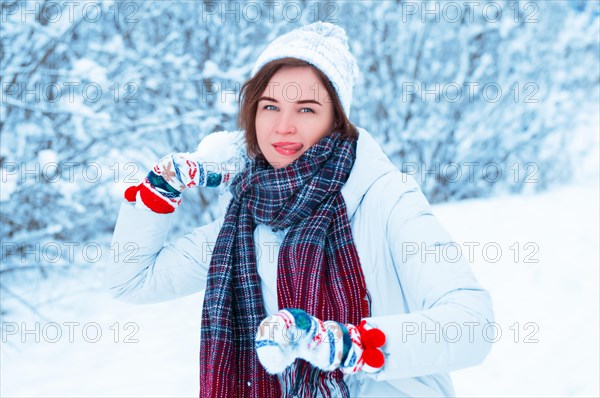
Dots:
{"x": 9, "y": 182}
{"x": 222, "y": 149}
{"x": 558, "y": 295}
{"x": 227, "y": 104}
{"x": 89, "y": 69}
{"x": 47, "y": 156}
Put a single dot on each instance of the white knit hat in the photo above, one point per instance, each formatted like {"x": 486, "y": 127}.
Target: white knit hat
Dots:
{"x": 323, "y": 45}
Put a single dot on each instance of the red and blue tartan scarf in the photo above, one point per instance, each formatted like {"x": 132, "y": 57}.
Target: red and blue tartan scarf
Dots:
{"x": 318, "y": 271}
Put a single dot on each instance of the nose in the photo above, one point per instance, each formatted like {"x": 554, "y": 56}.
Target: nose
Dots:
{"x": 285, "y": 124}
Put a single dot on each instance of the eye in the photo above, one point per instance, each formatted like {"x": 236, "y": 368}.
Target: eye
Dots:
{"x": 307, "y": 110}
{"x": 270, "y": 107}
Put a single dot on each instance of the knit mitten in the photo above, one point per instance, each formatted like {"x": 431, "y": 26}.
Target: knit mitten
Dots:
{"x": 162, "y": 187}
{"x": 292, "y": 334}
{"x": 217, "y": 159}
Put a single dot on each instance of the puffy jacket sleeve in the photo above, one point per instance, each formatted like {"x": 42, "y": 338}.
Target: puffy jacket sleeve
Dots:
{"x": 143, "y": 270}
{"x": 446, "y": 326}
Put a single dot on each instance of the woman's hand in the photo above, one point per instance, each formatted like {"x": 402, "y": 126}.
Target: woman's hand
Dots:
{"x": 292, "y": 334}
{"x": 217, "y": 159}
{"x": 162, "y": 187}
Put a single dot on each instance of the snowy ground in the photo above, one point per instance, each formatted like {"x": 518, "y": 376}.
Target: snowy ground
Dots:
{"x": 547, "y": 312}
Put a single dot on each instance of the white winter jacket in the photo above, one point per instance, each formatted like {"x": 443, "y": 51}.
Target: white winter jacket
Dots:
{"x": 429, "y": 304}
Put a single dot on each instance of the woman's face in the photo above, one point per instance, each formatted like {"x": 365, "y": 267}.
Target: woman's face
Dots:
{"x": 294, "y": 113}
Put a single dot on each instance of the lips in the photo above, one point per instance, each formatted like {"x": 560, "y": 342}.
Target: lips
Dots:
{"x": 287, "y": 148}
{"x": 288, "y": 145}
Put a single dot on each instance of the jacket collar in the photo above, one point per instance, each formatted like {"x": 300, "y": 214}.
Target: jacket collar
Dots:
{"x": 371, "y": 164}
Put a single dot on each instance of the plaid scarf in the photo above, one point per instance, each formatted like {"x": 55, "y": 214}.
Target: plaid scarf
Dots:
{"x": 318, "y": 271}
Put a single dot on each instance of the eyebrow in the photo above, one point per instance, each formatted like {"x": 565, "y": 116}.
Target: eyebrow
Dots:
{"x": 307, "y": 101}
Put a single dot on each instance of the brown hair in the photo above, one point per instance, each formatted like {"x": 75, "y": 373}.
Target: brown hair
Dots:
{"x": 253, "y": 89}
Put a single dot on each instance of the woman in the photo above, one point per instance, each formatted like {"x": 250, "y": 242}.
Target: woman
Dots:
{"x": 311, "y": 289}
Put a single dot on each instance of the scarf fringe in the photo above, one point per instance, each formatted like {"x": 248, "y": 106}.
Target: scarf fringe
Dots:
{"x": 302, "y": 380}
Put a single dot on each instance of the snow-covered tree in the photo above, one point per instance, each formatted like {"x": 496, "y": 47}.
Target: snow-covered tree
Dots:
{"x": 107, "y": 88}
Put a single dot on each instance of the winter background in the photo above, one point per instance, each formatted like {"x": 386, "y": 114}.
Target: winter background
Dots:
{"x": 506, "y": 93}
